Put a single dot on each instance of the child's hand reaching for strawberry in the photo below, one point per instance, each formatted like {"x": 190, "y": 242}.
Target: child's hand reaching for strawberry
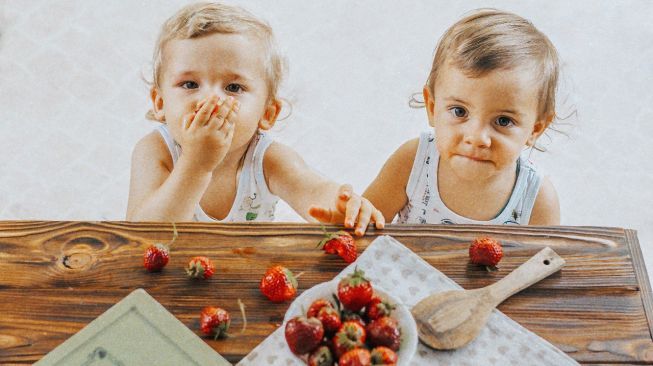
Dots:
{"x": 350, "y": 209}
{"x": 209, "y": 128}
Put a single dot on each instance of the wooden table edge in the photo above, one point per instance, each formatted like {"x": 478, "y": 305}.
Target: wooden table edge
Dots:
{"x": 642, "y": 276}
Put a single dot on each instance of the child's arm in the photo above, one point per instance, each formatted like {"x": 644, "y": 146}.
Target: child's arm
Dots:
{"x": 546, "y": 210}
{"x": 156, "y": 191}
{"x": 388, "y": 190}
{"x": 313, "y": 196}
{"x": 160, "y": 193}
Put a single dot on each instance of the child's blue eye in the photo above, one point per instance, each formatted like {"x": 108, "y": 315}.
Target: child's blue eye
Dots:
{"x": 504, "y": 121}
{"x": 234, "y": 88}
{"x": 458, "y": 111}
{"x": 189, "y": 85}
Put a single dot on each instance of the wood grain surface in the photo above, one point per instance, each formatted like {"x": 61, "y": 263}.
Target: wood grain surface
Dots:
{"x": 56, "y": 277}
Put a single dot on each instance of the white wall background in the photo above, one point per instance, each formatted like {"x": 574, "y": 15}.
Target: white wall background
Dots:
{"x": 72, "y": 101}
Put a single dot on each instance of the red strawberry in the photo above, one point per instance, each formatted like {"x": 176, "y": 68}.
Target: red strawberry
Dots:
{"x": 200, "y": 267}
{"x": 303, "y": 335}
{"x": 340, "y": 243}
{"x": 378, "y": 308}
{"x": 356, "y": 357}
{"x": 486, "y": 251}
{"x": 316, "y": 306}
{"x": 278, "y": 284}
{"x": 350, "y": 335}
{"x": 157, "y": 255}
{"x": 384, "y": 331}
{"x": 355, "y": 291}
{"x": 214, "y": 321}
{"x": 330, "y": 318}
{"x": 383, "y": 356}
{"x": 322, "y": 356}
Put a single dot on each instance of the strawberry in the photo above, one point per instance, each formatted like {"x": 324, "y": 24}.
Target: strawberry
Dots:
{"x": 322, "y": 356}
{"x": 330, "y": 319}
{"x": 378, "y": 308}
{"x": 383, "y": 356}
{"x": 355, "y": 291}
{"x": 278, "y": 284}
{"x": 157, "y": 255}
{"x": 340, "y": 243}
{"x": 486, "y": 251}
{"x": 384, "y": 331}
{"x": 316, "y": 306}
{"x": 200, "y": 267}
{"x": 214, "y": 321}
{"x": 356, "y": 357}
{"x": 350, "y": 335}
{"x": 303, "y": 335}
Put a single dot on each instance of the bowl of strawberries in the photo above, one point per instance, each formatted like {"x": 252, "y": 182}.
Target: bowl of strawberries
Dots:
{"x": 349, "y": 322}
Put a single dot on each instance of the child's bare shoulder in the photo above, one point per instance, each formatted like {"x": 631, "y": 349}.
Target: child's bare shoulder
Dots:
{"x": 151, "y": 148}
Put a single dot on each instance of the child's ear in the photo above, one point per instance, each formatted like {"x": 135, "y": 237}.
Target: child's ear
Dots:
{"x": 270, "y": 115}
{"x": 429, "y": 104}
{"x": 157, "y": 105}
{"x": 539, "y": 128}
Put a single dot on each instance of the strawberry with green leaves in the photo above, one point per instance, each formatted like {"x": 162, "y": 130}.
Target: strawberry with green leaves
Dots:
{"x": 330, "y": 319}
{"x": 355, "y": 291}
{"x": 378, "y": 308}
{"x": 321, "y": 356}
{"x": 303, "y": 335}
{"x": 157, "y": 255}
{"x": 200, "y": 267}
{"x": 383, "y": 356}
{"x": 351, "y": 335}
{"x": 278, "y": 284}
{"x": 315, "y": 307}
{"x": 214, "y": 321}
{"x": 486, "y": 251}
{"x": 340, "y": 243}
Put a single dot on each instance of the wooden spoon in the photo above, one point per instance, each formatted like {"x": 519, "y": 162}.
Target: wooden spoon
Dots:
{"x": 451, "y": 319}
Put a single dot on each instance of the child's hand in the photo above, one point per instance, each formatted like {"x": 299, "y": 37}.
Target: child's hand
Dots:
{"x": 207, "y": 132}
{"x": 351, "y": 209}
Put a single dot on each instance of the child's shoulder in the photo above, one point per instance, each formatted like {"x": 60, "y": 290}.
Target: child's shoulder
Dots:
{"x": 152, "y": 148}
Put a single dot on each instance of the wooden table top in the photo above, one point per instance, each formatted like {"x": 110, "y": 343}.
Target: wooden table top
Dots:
{"x": 56, "y": 277}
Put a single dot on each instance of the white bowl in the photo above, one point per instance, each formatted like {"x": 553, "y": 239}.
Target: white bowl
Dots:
{"x": 401, "y": 313}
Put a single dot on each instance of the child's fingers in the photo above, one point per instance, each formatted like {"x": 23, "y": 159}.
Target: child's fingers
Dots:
{"x": 320, "y": 213}
{"x": 345, "y": 191}
{"x": 220, "y": 117}
{"x": 352, "y": 210}
{"x": 363, "y": 218}
{"x": 378, "y": 218}
{"x": 203, "y": 115}
{"x": 188, "y": 120}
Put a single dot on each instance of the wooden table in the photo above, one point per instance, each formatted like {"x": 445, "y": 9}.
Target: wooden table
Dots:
{"x": 56, "y": 277}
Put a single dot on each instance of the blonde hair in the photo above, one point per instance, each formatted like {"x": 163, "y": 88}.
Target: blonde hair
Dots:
{"x": 204, "y": 18}
{"x": 488, "y": 40}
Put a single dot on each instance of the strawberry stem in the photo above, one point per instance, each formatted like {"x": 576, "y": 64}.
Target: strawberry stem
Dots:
{"x": 242, "y": 312}
{"x": 174, "y": 235}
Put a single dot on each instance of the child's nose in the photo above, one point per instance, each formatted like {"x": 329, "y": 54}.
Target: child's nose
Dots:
{"x": 477, "y": 134}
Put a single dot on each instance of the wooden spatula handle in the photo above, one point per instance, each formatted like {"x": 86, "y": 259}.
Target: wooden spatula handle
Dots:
{"x": 540, "y": 266}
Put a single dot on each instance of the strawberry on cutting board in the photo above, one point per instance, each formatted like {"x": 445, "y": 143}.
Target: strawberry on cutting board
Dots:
{"x": 486, "y": 251}
{"x": 340, "y": 243}
{"x": 278, "y": 284}
{"x": 214, "y": 321}
{"x": 200, "y": 267}
{"x": 157, "y": 255}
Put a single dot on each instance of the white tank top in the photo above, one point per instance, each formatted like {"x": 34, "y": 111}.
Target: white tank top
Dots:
{"x": 426, "y": 207}
{"x": 254, "y": 201}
